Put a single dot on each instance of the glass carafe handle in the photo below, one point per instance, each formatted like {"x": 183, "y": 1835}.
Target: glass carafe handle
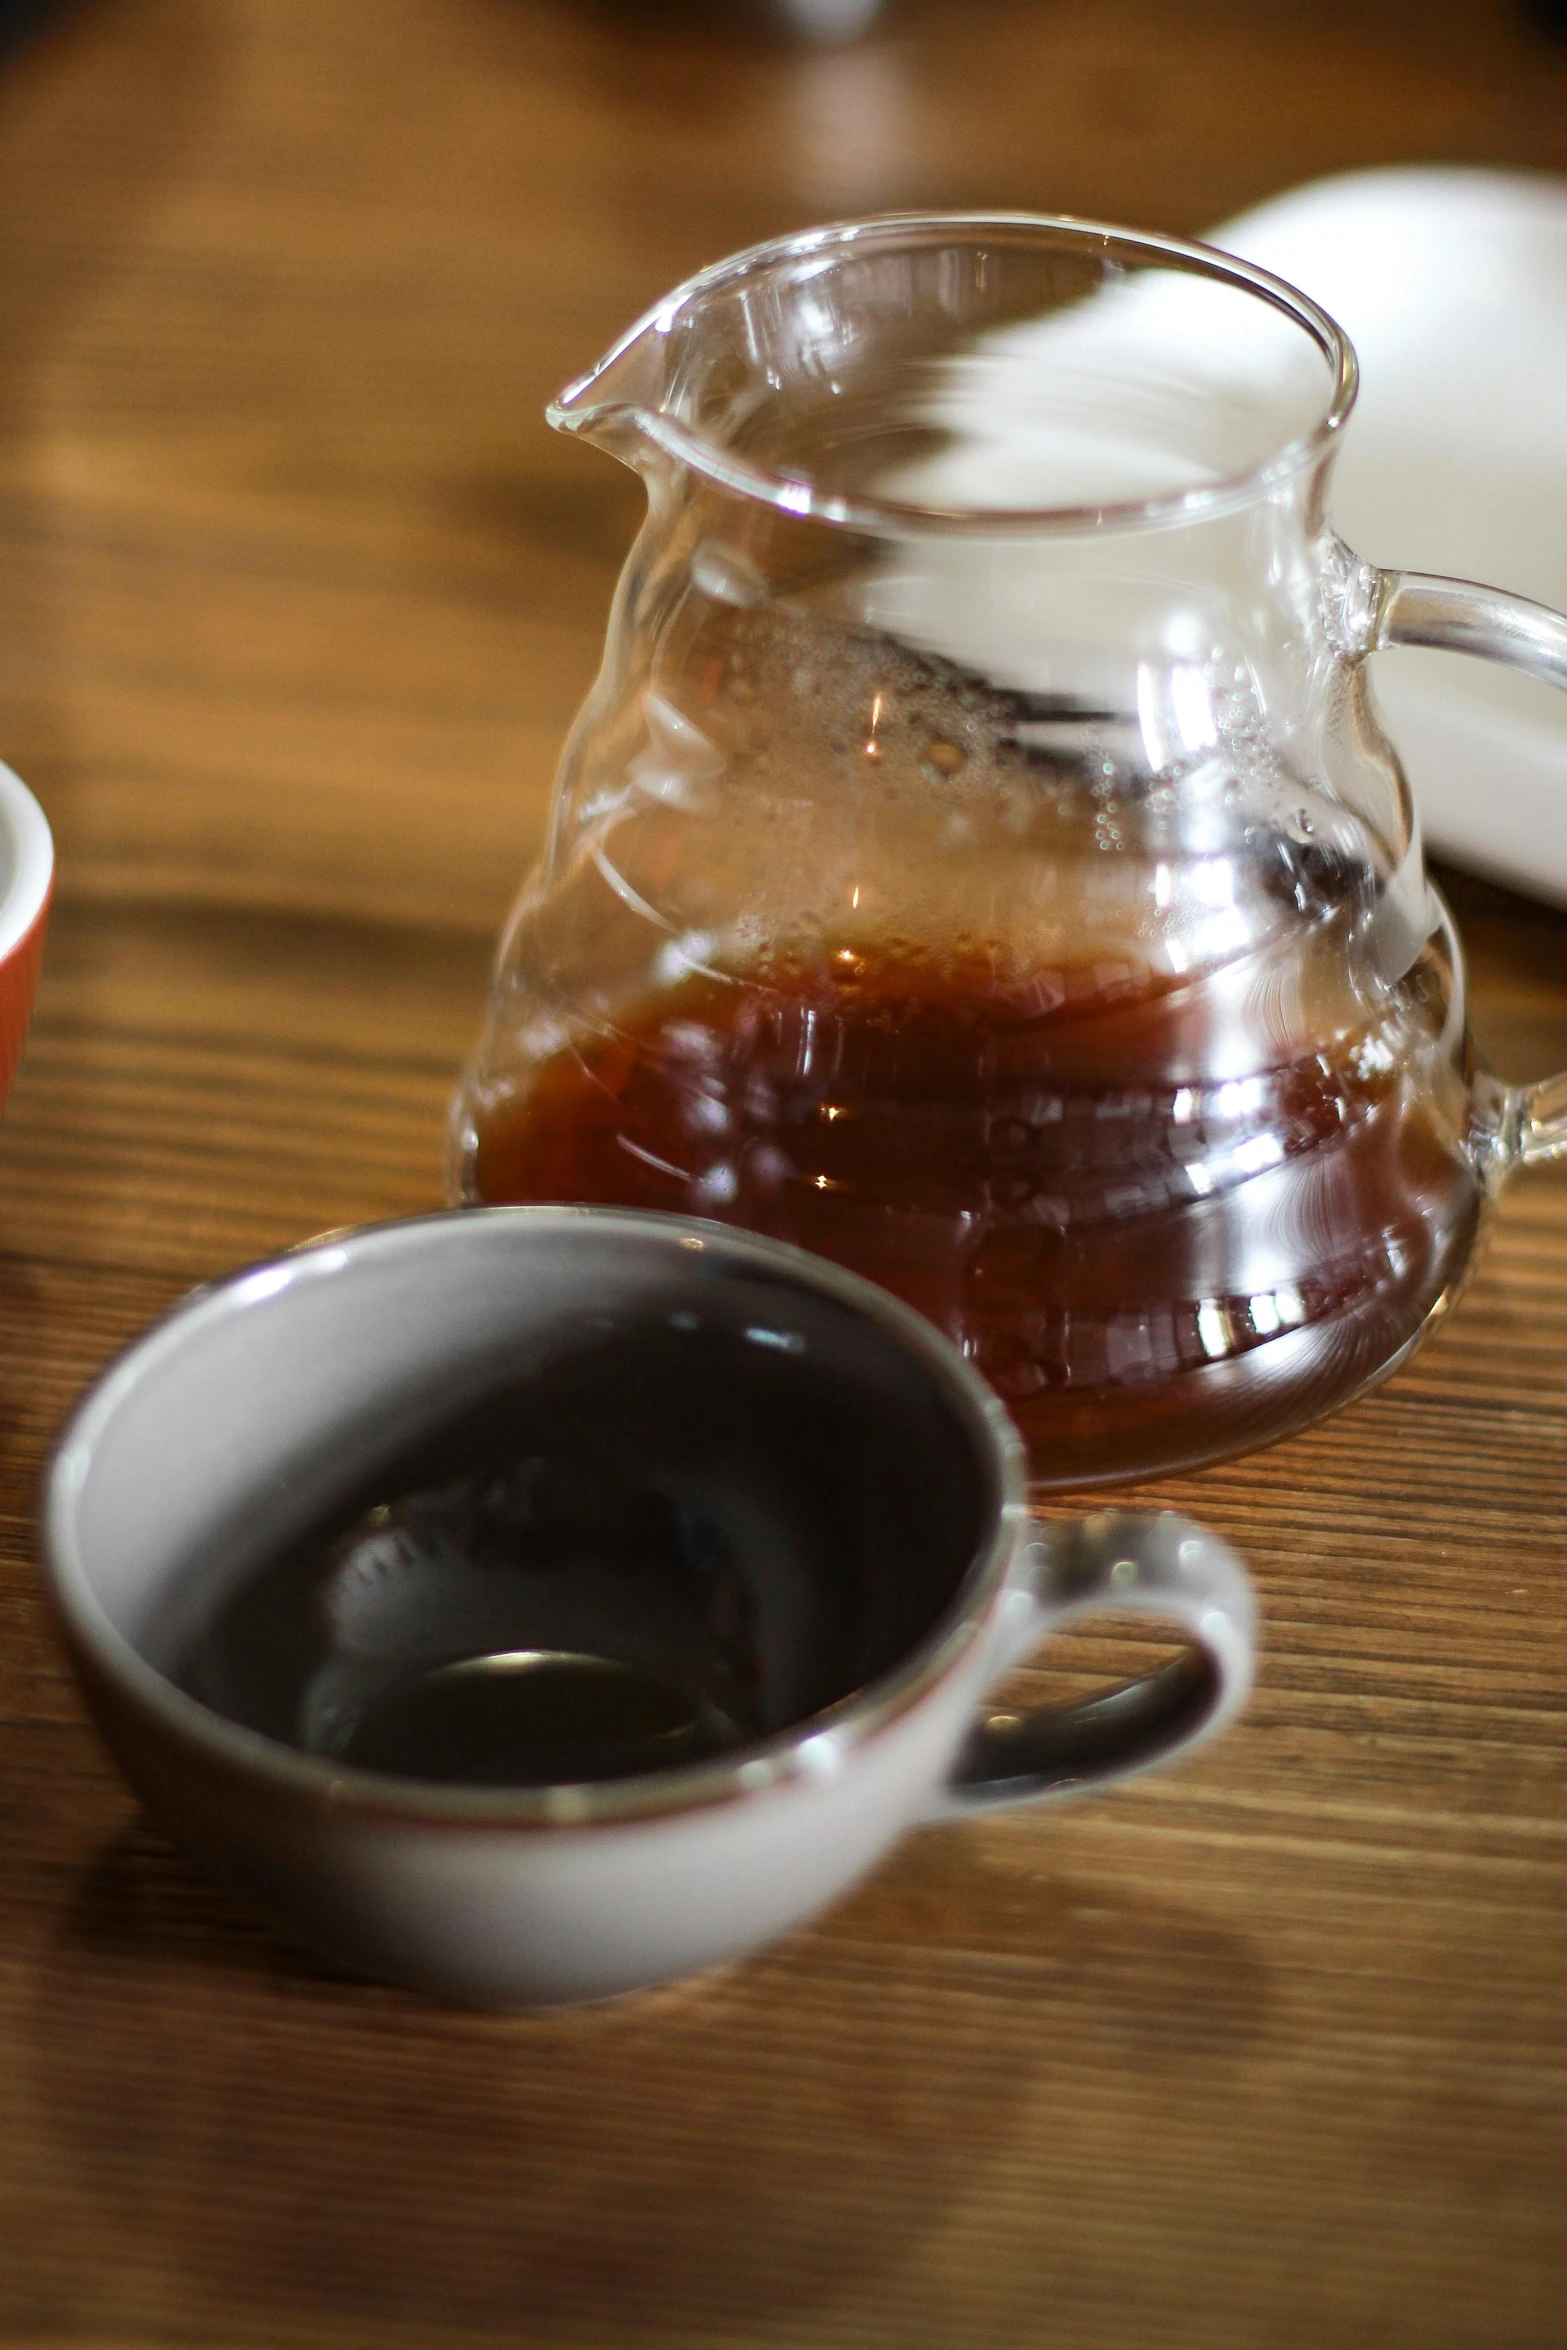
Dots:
{"x": 1458, "y": 616}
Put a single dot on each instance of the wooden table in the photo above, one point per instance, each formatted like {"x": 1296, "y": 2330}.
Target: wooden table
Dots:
{"x": 297, "y": 597}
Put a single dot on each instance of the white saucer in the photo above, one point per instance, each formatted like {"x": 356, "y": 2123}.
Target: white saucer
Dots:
{"x": 1452, "y": 285}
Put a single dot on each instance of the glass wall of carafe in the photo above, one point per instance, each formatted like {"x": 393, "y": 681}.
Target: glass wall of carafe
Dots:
{"x": 979, "y": 860}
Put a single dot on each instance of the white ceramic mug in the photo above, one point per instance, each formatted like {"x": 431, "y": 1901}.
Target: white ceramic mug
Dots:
{"x": 246, "y": 1410}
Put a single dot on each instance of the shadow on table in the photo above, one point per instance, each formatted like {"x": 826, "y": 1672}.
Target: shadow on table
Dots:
{"x": 288, "y": 2150}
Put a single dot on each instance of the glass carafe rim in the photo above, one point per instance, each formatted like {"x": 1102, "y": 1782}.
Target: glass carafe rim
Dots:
{"x": 575, "y": 410}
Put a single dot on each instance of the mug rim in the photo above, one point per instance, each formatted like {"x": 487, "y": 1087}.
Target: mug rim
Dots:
{"x": 572, "y": 407}
{"x": 26, "y": 893}
{"x": 809, "y": 1750}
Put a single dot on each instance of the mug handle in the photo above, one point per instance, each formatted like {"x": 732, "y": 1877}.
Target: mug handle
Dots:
{"x": 1460, "y": 616}
{"x": 1138, "y": 1565}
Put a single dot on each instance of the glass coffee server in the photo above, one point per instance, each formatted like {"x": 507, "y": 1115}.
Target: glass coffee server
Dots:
{"x": 979, "y": 860}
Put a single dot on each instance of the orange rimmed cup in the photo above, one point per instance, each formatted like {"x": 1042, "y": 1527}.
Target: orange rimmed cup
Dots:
{"x": 26, "y": 885}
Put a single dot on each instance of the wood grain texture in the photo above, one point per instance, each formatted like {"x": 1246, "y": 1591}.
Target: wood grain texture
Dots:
{"x": 296, "y": 600}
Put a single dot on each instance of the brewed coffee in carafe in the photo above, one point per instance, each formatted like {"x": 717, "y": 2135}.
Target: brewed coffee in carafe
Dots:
{"x": 1018, "y": 904}
{"x": 1168, "y": 1213}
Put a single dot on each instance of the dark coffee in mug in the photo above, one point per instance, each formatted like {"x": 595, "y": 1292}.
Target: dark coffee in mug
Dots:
{"x": 670, "y": 1542}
